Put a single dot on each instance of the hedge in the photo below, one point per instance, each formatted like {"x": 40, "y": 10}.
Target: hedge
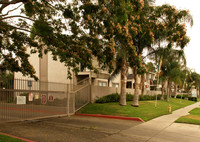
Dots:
{"x": 115, "y": 97}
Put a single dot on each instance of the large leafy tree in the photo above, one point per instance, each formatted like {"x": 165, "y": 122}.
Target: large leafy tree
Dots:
{"x": 50, "y": 26}
{"x": 143, "y": 40}
{"x": 166, "y": 25}
{"x": 169, "y": 33}
{"x": 113, "y": 22}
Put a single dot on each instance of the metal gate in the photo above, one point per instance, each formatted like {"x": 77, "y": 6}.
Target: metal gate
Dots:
{"x": 81, "y": 94}
{"x": 28, "y": 99}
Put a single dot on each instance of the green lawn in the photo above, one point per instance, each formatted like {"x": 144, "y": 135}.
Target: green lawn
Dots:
{"x": 4, "y": 138}
{"x": 146, "y": 110}
{"x": 192, "y": 118}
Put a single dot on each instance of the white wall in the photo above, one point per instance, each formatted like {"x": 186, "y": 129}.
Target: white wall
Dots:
{"x": 34, "y": 60}
{"x": 99, "y": 91}
{"x": 57, "y": 72}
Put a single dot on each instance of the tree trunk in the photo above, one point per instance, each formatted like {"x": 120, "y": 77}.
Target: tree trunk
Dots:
{"x": 168, "y": 90}
{"x": 175, "y": 91}
{"x": 197, "y": 90}
{"x": 199, "y": 94}
{"x": 136, "y": 94}
{"x": 123, "y": 83}
{"x": 163, "y": 88}
{"x": 142, "y": 85}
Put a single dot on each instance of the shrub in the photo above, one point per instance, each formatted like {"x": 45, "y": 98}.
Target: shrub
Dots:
{"x": 129, "y": 97}
{"x": 186, "y": 96}
{"x": 148, "y": 97}
{"x": 183, "y": 96}
{"x": 109, "y": 98}
{"x": 192, "y": 99}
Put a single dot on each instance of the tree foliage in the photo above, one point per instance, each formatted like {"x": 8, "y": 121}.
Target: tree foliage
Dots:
{"x": 52, "y": 26}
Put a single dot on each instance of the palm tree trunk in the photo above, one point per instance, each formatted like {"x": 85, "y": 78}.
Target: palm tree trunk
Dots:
{"x": 136, "y": 94}
{"x": 175, "y": 91}
{"x": 199, "y": 94}
{"x": 163, "y": 85}
{"x": 197, "y": 91}
{"x": 142, "y": 85}
{"x": 168, "y": 90}
{"x": 123, "y": 83}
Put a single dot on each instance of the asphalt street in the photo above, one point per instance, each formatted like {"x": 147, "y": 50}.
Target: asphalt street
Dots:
{"x": 67, "y": 129}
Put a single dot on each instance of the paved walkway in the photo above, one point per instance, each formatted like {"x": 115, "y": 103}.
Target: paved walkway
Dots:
{"x": 161, "y": 129}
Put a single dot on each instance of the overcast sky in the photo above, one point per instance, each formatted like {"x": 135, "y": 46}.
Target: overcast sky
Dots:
{"x": 192, "y": 51}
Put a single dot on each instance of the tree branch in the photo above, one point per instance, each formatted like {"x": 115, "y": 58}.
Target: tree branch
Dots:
{"x": 3, "y": 6}
{"x": 11, "y": 10}
{"x": 14, "y": 16}
{"x": 5, "y": 3}
{"x": 10, "y": 2}
{"x": 149, "y": 54}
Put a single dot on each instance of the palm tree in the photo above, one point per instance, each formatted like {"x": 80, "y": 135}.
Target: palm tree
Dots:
{"x": 194, "y": 80}
{"x": 167, "y": 27}
{"x": 121, "y": 67}
{"x": 171, "y": 69}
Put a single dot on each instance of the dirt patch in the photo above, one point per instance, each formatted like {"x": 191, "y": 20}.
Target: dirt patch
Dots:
{"x": 151, "y": 101}
{"x": 197, "y": 117}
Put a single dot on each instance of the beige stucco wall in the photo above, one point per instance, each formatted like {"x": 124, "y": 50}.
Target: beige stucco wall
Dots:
{"x": 57, "y": 72}
{"x": 99, "y": 91}
{"x": 34, "y": 60}
{"x": 47, "y": 69}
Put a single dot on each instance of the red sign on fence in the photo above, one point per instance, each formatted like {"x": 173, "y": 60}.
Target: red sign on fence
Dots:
{"x": 43, "y": 98}
{"x": 50, "y": 98}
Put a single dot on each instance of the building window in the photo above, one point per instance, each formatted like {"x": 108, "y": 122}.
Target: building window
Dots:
{"x": 116, "y": 85}
{"x": 101, "y": 83}
{"x": 128, "y": 84}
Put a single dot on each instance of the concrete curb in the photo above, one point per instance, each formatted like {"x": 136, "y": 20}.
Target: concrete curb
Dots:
{"x": 112, "y": 117}
{"x": 26, "y": 140}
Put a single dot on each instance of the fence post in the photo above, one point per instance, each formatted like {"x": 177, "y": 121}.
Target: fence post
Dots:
{"x": 74, "y": 102}
{"x": 67, "y": 93}
{"x": 90, "y": 88}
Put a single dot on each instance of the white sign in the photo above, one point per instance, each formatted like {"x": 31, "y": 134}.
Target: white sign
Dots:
{"x": 21, "y": 100}
{"x": 30, "y": 97}
{"x": 194, "y": 93}
{"x": 36, "y": 96}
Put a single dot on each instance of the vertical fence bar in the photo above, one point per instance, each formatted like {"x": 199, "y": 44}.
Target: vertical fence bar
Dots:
{"x": 74, "y": 104}
{"x": 67, "y": 92}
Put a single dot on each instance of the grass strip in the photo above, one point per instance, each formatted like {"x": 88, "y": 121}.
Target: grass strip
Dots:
{"x": 4, "y": 138}
{"x": 192, "y": 118}
{"x": 145, "y": 111}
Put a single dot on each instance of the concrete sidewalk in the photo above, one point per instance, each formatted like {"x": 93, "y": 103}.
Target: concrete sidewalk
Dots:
{"x": 161, "y": 129}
